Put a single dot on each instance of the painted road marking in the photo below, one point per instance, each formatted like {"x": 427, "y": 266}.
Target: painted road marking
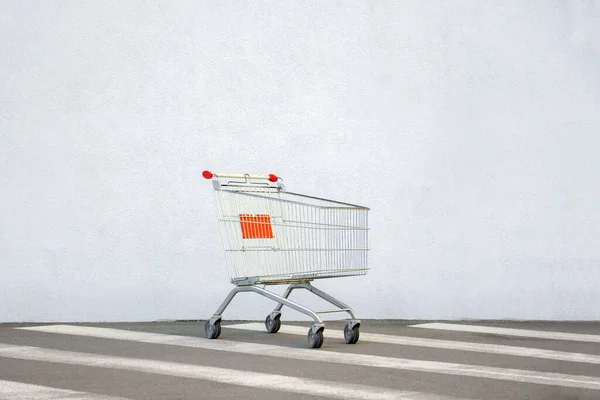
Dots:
{"x": 516, "y": 375}
{"x": 572, "y": 337}
{"x": 306, "y": 386}
{"x": 439, "y": 344}
{"x": 23, "y": 391}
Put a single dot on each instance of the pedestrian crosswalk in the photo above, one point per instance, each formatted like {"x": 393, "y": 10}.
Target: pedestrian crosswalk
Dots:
{"x": 440, "y": 366}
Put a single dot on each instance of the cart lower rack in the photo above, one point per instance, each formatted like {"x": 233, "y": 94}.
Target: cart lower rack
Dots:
{"x": 275, "y": 237}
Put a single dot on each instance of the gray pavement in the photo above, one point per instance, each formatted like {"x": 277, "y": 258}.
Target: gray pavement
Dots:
{"x": 393, "y": 359}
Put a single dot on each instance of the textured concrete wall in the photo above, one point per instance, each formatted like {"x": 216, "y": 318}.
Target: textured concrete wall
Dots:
{"x": 470, "y": 129}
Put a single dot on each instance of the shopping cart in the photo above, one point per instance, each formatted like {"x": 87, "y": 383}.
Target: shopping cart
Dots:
{"x": 275, "y": 237}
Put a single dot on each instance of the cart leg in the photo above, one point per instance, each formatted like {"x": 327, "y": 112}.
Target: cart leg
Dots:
{"x": 319, "y": 293}
{"x": 352, "y": 329}
{"x": 212, "y": 328}
{"x": 226, "y": 302}
{"x": 330, "y": 299}
{"x": 277, "y": 311}
{"x": 279, "y": 299}
{"x": 285, "y": 302}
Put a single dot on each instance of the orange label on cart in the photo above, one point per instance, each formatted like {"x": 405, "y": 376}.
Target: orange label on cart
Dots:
{"x": 256, "y": 226}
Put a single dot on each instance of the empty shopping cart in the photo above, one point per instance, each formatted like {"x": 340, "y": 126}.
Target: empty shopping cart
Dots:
{"x": 275, "y": 237}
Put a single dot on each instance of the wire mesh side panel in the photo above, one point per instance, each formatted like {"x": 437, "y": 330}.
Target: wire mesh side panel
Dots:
{"x": 281, "y": 237}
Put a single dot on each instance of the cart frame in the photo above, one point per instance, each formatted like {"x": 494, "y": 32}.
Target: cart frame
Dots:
{"x": 260, "y": 227}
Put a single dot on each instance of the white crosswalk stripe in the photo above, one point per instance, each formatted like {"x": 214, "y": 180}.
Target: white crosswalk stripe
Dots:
{"x": 572, "y": 337}
{"x": 516, "y": 375}
{"x": 23, "y": 391}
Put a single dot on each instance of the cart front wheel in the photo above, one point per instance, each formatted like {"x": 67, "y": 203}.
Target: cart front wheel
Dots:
{"x": 212, "y": 330}
{"x": 315, "y": 337}
{"x": 351, "y": 333}
{"x": 273, "y": 324}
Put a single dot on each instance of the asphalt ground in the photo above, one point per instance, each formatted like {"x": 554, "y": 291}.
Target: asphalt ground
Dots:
{"x": 393, "y": 359}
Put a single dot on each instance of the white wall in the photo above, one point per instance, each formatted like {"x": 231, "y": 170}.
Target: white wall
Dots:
{"x": 470, "y": 130}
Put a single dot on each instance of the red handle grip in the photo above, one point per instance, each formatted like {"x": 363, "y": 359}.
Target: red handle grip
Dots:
{"x": 210, "y": 175}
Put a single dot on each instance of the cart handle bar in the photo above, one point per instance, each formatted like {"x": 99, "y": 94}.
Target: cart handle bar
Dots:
{"x": 210, "y": 175}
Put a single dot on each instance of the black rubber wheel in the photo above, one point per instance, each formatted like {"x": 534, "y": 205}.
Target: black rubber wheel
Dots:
{"x": 351, "y": 334}
{"x": 273, "y": 325}
{"x": 315, "y": 340}
{"x": 212, "y": 331}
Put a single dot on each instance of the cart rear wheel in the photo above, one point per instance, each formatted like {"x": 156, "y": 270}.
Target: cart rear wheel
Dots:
{"x": 273, "y": 324}
{"x": 212, "y": 330}
{"x": 351, "y": 333}
{"x": 315, "y": 338}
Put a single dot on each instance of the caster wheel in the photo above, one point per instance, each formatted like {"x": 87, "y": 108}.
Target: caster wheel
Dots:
{"x": 315, "y": 338}
{"x": 273, "y": 324}
{"x": 212, "y": 331}
{"x": 351, "y": 333}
